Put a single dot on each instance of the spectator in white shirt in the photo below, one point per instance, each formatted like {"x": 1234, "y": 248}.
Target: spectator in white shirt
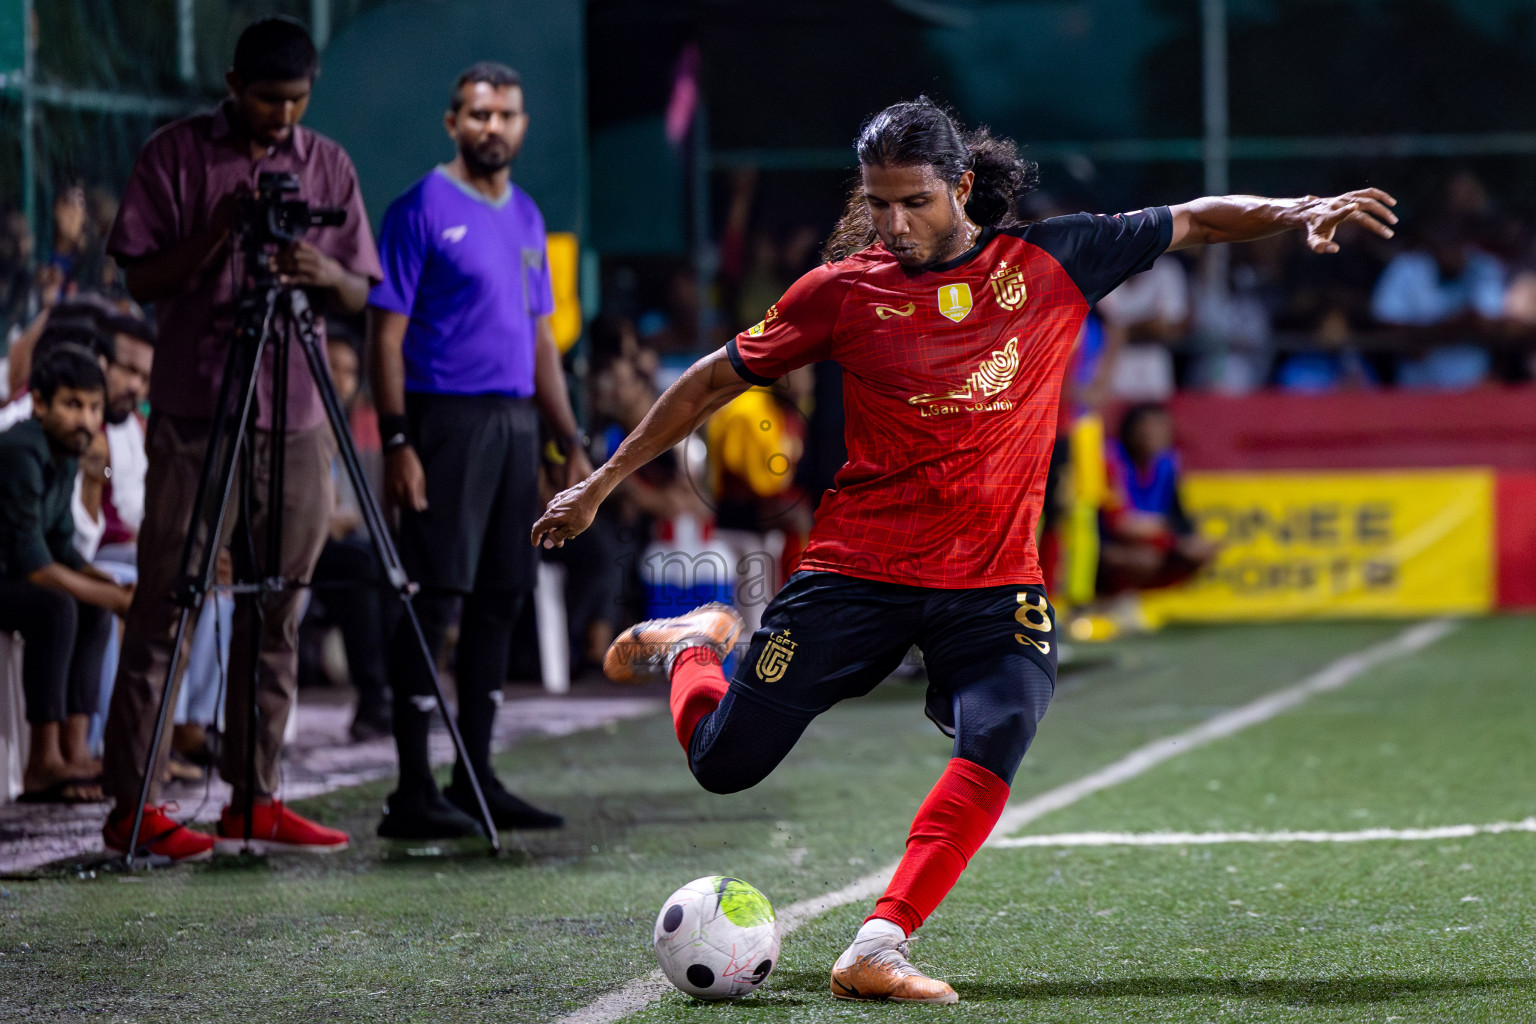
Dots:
{"x": 1148, "y": 311}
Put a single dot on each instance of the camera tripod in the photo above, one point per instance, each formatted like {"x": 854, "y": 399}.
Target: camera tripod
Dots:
{"x": 268, "y": 315}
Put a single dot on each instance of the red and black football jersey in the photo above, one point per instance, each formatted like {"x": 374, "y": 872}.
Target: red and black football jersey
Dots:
{"x": 951, "y": 381}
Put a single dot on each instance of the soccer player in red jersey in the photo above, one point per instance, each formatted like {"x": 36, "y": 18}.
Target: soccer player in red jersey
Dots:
{"x": 952, "y": 322}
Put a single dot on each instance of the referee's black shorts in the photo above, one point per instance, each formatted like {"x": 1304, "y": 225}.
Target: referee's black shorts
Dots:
{"x": 480, "y": 454}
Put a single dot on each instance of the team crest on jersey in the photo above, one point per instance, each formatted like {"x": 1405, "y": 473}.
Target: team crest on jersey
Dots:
{"x": 768, "y": 318}
{"x": 955, "y": 301}
{"x": 1008, "y": 286}
{"x": 982, "y": 387}
{"x": 774, "y": 661}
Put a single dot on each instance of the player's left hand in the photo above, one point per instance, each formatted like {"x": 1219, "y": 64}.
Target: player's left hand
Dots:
{"x": 1368, "y": 207}
{"x": 304, "y": 266}
{"x": 569, "y": 512}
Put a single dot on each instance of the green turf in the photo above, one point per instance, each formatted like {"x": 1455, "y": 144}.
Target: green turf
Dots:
{"x": 1323, "y": 933}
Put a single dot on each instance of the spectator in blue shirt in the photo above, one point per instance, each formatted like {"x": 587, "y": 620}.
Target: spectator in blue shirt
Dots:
{"x": 1146, "y": 538}
{"x": 1445, "y": 282}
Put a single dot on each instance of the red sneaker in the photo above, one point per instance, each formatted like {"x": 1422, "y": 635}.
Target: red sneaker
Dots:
{"x": 276, "y": 829}
{"x": 164, "y": 839}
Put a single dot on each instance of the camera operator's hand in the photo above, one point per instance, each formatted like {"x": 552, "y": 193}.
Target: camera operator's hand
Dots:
{"x": 405, "y": 483}
{"x": 303, "y": 265}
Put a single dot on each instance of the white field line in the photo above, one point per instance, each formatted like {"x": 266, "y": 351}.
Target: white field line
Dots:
{"x": 1365, "y": 835}
{"x": 1330, "y": 677}
{"x": 637, "y": 994}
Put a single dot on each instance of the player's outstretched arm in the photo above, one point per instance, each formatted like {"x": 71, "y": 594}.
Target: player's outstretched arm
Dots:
{"x": 1246, "y": 218}
{"x": 703, "y": 388}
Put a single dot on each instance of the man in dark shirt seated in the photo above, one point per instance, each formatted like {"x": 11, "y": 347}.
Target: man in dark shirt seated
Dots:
{"x": 48, "y": 594}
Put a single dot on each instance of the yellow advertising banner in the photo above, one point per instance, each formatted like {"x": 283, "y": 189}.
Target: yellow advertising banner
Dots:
{"x": 1295, "y": 545}
{"x": 564, "y": 262}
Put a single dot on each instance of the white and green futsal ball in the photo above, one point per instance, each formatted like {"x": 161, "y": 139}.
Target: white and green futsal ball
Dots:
{"x": 717, "y": 938}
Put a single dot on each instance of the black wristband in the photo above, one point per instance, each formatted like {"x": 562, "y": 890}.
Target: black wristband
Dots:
{"x": 392, "y": 428}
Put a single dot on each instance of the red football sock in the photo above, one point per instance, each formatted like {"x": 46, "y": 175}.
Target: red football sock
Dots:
{"x": 698, "y": 686}
{"x": 951, "y": 825}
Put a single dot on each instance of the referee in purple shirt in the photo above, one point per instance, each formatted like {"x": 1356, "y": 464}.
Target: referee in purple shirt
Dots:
{"x": 464, "y": 362}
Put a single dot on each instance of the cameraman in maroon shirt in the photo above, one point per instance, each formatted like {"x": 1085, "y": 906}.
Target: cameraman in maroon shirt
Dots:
{"x": 176, "y": 237}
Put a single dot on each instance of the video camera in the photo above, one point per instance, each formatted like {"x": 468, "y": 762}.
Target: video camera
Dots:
{"x": 271, "y": 219}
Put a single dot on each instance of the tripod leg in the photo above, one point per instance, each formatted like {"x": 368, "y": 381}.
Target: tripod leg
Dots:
{"x": 209, "y": 509}
{"x": 383, "y": 544}
{"x": 267, "y": 599}
{"x": 256, "y": 634}
{"x": 154, "y": 747}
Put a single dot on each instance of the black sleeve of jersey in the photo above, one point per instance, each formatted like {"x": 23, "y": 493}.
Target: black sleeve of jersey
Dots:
{"x": 740, "y": 366}
{"x": 1099, "y": 251}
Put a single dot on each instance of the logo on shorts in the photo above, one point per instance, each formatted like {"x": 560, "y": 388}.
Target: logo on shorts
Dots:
{"x": 955, "y": 301}
{"x": 1008, "y": 286}
{"x": 455, "y": 234}
{"x": 768, "y": 318}
{"x": 1034, "y": 614}
{"x": 774, "y": 661}
{"x": 886, "y": 312}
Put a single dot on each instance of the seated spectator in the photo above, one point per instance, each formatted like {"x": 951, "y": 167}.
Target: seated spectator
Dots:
{"x": 58, "y": 603}
{"x": 684, "y": 322}
{"x": 1446, "y": 283}
{"x": 86, "y": 506}
{"x": 1234, "y": 325}
{"x": 71, "y": 253}
{"x": 101, "y": 210}
{"x": 83, "y": 335}
{"x": 1146, "y": 540}
{"x": 120, "y": 325}
{"x": 17, "y": 297}
{"x": 613, "y": 337}
{"x": 108, "y": 502}
{"x": 761, "y": 512}
{"x": 1141, "y": 318}
{"x": 1337, "y": 365}
{"x": 124, "y": 343}
{"x": 603, "y": 588}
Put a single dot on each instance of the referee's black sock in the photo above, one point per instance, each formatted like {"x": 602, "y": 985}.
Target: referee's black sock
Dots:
{"x": 485, "y": 642}
{"x": 414, "y": 700}
{"x": 412, "y": 726}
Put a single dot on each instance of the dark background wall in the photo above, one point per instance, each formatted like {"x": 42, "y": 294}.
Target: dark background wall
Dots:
{"x": 802, "y": 75}
{"x": 387, "y": 78}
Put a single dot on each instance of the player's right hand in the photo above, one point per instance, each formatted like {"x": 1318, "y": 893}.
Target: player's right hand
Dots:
{"x": 405, "y": 482}
{"x": 569, "y": 513}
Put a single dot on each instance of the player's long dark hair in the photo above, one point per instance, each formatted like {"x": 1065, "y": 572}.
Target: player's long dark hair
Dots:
{"x": 921, "y": 132}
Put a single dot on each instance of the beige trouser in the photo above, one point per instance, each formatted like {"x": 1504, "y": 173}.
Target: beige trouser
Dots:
{"x": 176, "y": 449}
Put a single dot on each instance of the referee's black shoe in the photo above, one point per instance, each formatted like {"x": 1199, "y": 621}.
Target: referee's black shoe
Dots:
{"x": 507, "y": 811}
{"x": 417, "y": 814}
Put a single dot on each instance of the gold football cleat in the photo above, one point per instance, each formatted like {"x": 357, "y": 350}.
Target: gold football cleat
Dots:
{"x": 645, "y": 651}
{"x": 886, "y": 974}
